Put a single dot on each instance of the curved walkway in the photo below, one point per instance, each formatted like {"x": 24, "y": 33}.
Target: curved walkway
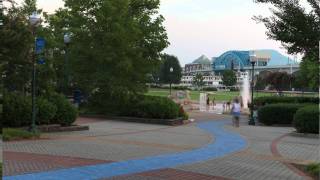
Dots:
{"x": 225, "y": 143}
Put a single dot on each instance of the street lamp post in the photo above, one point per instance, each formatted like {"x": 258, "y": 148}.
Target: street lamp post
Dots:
{"x": 67, "y": 40}
{"x": 253, "y": 62}
{"x": 171, "y": 71}
{"x": 34, "y": 20}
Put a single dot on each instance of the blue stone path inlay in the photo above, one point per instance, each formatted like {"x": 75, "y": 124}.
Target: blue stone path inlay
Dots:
{"x": 224, "y": 143}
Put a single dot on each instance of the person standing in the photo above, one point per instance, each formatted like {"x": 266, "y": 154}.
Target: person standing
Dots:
{"x": 236, "y": 110}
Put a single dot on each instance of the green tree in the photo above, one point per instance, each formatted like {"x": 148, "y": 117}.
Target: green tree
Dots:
{"x": 198, "y": 81}
{"x": 299, "y": 32}
{"x": 166, "y": 76}
{"x": 229, "y": 78}
{"x": 261, "y": 80}
{"x": 15, "y": 46}
{"x": 279, "y": 80}
{"x": 115, "y": 45}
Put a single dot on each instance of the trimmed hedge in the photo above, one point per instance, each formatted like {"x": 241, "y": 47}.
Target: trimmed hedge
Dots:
{"x": 261, "y": 101}
{"x": 46, "y": 111}
{"x": 16, "y": 110}
{"x": 66, "y": 113}
{"x": 55, "y": 109}
{"x": 153, "y": 107}
{"x": 278, "y": 113}
{"x": 306, "y": 120}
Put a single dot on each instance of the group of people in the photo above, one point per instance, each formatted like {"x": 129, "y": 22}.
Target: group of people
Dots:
{"x": 210, "y": 102}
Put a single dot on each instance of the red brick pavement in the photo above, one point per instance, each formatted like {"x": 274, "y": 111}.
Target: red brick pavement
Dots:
{"x": 84, "y": 120}
{"x": 171, "y": 174}
{"x": 21, "y": 163}
{"x": 276, "y": 153}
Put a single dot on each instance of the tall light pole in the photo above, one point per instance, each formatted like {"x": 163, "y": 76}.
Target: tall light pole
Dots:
{"x": 171, "y": 71}
{"x": 67, "y": 40}
{"x": 253, "y": 62}
{"x": 34, "y": 20}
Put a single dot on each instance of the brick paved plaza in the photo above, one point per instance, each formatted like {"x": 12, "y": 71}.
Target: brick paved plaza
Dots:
{"x": 267, "y": 153}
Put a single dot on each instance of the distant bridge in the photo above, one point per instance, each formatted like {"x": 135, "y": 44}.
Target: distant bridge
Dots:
{"x": 290, "y": 68}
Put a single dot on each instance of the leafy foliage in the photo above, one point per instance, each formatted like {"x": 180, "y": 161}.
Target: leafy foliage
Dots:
{"x": 66, "y": 113}
{"x": 261, "y": 101}
{"x": 314, "y": 169}
{"x": 306, "y": 120}
{"x": 153, "y": 107}
{"x": 50, "y": 110}
{"x": 299, "y": 32}
{"x": 166, "y": 76}
{"x": 278, "y": 113}
{"x": 46, "y": 111}
{"x": 229, "y": 78}
{"x": 279, "y": 80}
{"x": 16, "y": 110}
{"x": 198, "y": 81}
{"x": 10, "y": 134}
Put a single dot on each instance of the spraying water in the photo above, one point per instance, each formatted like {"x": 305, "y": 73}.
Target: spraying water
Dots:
{"x": 245, "y": 92}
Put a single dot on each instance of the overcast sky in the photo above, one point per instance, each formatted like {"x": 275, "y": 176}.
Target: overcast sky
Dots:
{"x": 208, "y": 27}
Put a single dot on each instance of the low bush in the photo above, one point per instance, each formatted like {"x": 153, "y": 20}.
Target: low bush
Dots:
{"x": 153, "y": 107}
{"x": 306, "y": 120}
{"x": 180, "y": 88}
{"x": 16, "y": 110}
{"x": 46, "y": 111}
{"x": 278, "y": 113}
{"x": 54, "y": 109}
{"x": 210, "y": 89}
{"x": 314, "y": 169}
{"x": 66, "y": 113}
{"x": 17, "y": 134}
{"x": 261, "y": 101}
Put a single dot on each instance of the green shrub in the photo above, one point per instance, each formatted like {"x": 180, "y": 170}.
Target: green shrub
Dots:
{"x": 314, "y": 169}
{"x": 17, "y": 134}
{"x": 278, "y": 113}
{"x": 210, "y": 89}
{"x": 46, "y": 111}
{"x": 66, "y": 113}
{"x": 16, "y": 110}
{"x": 153, "y": 107}
{"x": 261, "y": 101}
{"x": 306, "y": 120}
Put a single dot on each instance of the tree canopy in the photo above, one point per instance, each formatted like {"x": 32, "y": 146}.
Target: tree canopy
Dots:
{"x": 229, "y": 78}
{"x": 166, "y": 76}
{"x": 198, "y": 81}
{"x": 299, "y": 32}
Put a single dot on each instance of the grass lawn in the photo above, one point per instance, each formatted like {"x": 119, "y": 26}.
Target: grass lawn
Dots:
{"x": 218, "y": 96}
{"x": 9, "y": 134}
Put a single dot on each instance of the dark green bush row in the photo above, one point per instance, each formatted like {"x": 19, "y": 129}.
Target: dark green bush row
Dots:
{"x": 66, "y": 113}
{"x": 16, "y": 110}
{"x": 210, "y": 89}
{"x": 278, "y": 113}
{"x": 134, "y": 106}
{"x": 306, "y": 119}
{"x": 53, "y": 109}
{"x": 261, "y": 101}
{"x": 153, "y": 107}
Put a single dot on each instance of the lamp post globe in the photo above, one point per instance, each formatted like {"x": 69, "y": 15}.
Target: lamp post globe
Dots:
{"x": 34, "y": 19}
{"x": 253, "y": 59}
{"x": 67, "y": 38}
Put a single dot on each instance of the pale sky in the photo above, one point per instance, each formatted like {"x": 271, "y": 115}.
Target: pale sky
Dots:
{"x": 209, "y": 27}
